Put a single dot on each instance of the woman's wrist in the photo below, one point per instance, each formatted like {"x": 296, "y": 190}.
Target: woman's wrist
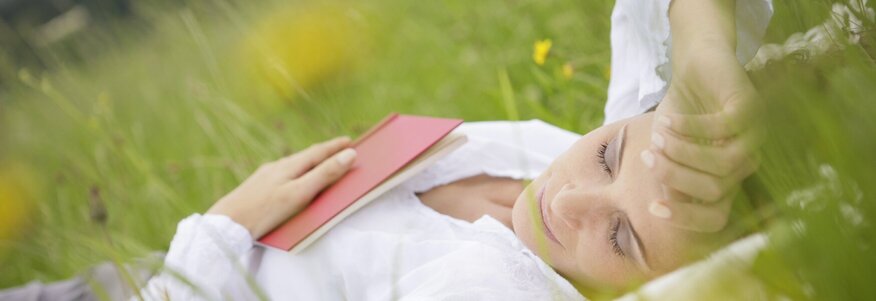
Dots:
{"x": 703, "y": 54}
{"x": 228, "y": 227}
{"x": 701, "y": 23}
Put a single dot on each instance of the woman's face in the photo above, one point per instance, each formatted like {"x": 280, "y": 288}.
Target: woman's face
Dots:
{"x": 587, "y": 214}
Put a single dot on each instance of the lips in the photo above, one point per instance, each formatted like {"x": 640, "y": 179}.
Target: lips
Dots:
{"x": 544, "y": 220}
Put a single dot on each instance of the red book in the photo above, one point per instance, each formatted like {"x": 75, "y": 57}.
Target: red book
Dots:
{"x": 389, "y": 153}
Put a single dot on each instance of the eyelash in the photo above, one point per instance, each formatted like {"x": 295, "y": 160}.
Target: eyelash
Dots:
{"x": 600, "y": 154}
{"x": 613, "y": 239}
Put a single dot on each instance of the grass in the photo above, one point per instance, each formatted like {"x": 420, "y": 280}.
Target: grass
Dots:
{"x": 167, "y": 117}
{"x": 135, "y": 126}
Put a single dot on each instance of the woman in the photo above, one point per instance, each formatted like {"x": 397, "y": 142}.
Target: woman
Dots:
{"x": 624, "y": 203}
{"x": 633, "y": 199}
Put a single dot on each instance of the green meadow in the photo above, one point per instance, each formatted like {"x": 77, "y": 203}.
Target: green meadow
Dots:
{"x": 125, "y": 128}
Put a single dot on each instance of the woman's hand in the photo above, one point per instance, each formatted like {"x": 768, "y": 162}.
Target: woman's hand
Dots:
{"x": 708, "y": 128}
{"x": 702, "y": 159}
{"x": 280, "y": 189}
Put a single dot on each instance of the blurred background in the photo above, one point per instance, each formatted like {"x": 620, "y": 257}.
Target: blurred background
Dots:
{"x": 118, "y": 118}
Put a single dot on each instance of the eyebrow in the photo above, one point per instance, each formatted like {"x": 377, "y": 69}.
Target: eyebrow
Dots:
{"x": 640, "y": 258}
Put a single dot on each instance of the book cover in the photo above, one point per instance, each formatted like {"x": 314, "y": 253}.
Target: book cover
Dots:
{"x": 384, "y": 153}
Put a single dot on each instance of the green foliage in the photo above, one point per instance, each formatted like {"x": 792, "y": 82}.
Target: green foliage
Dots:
{"x": 819, "y": 165}
{"x": 135, "y": 126}
{"x": 819, "y": 168}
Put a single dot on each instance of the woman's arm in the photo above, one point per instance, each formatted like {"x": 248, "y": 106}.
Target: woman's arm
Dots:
{"x": 705, "y": 71}
{"x": 707, "y": 129}
{"x": 203, "y": 260}
{"x": 700, "y": 24}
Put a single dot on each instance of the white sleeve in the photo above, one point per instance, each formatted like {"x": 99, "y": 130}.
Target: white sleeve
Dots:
{"x": 202, "y": 260}
{"x": 641, "y": 46}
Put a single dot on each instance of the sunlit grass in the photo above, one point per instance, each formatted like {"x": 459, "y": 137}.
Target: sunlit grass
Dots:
{"x": 159, "y": 120}
{"x": 136, "y": 126}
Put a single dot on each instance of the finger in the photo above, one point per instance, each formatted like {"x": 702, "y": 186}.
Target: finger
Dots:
{"x": 694, "y": 217}
{"x": 694, "y": 183}
{"x": 674, "y": 195}
{"x": 299, "y": 163}
{"x": 326, "y": 173}
{"x": 718, "y": 160}
{"x": 735, "y": 117}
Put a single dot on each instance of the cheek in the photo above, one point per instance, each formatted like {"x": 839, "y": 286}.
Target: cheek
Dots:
{"x": 525, "y": 228}
{"x": 598, "y": 267}
{"x": 526, "y": 223}
{"x": 521, "y": 218}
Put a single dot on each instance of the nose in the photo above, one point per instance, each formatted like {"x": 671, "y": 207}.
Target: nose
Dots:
{"x": 575, "y": 205}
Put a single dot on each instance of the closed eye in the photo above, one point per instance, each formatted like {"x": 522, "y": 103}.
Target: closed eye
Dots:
{"x": 612, "y": 236}
{"x": 600, "y": 155}
{"x": 609, "y": 153}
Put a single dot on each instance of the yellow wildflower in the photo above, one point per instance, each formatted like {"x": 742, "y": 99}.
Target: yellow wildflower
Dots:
{"x": 16, "y": 200}
{"x": 568, "y": 70}
{"x": 297, "y": 47}
{"x": 541, "y": 50}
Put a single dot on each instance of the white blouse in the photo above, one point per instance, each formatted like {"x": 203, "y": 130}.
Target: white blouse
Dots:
{"x": 393, "y": 248}
{"x": 640, "y": 51}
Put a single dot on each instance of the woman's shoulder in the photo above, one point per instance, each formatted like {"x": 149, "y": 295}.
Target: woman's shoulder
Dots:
{"x": 511, "y": 149}
{"x": 532, "y": 135}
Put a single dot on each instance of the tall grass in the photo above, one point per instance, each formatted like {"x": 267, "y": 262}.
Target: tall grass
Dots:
{"x": 134, "y": 126}
{"x": 819, "y": 163}
{"x": 131, "y": 128}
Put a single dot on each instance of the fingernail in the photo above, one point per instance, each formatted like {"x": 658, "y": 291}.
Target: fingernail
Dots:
{"x": 663, "y": 120}
{"x": 658, "y": 140}
{"x": 346, "y": 156}
{"x": 659, "y": 210}
{"x": 648, "y": 158}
